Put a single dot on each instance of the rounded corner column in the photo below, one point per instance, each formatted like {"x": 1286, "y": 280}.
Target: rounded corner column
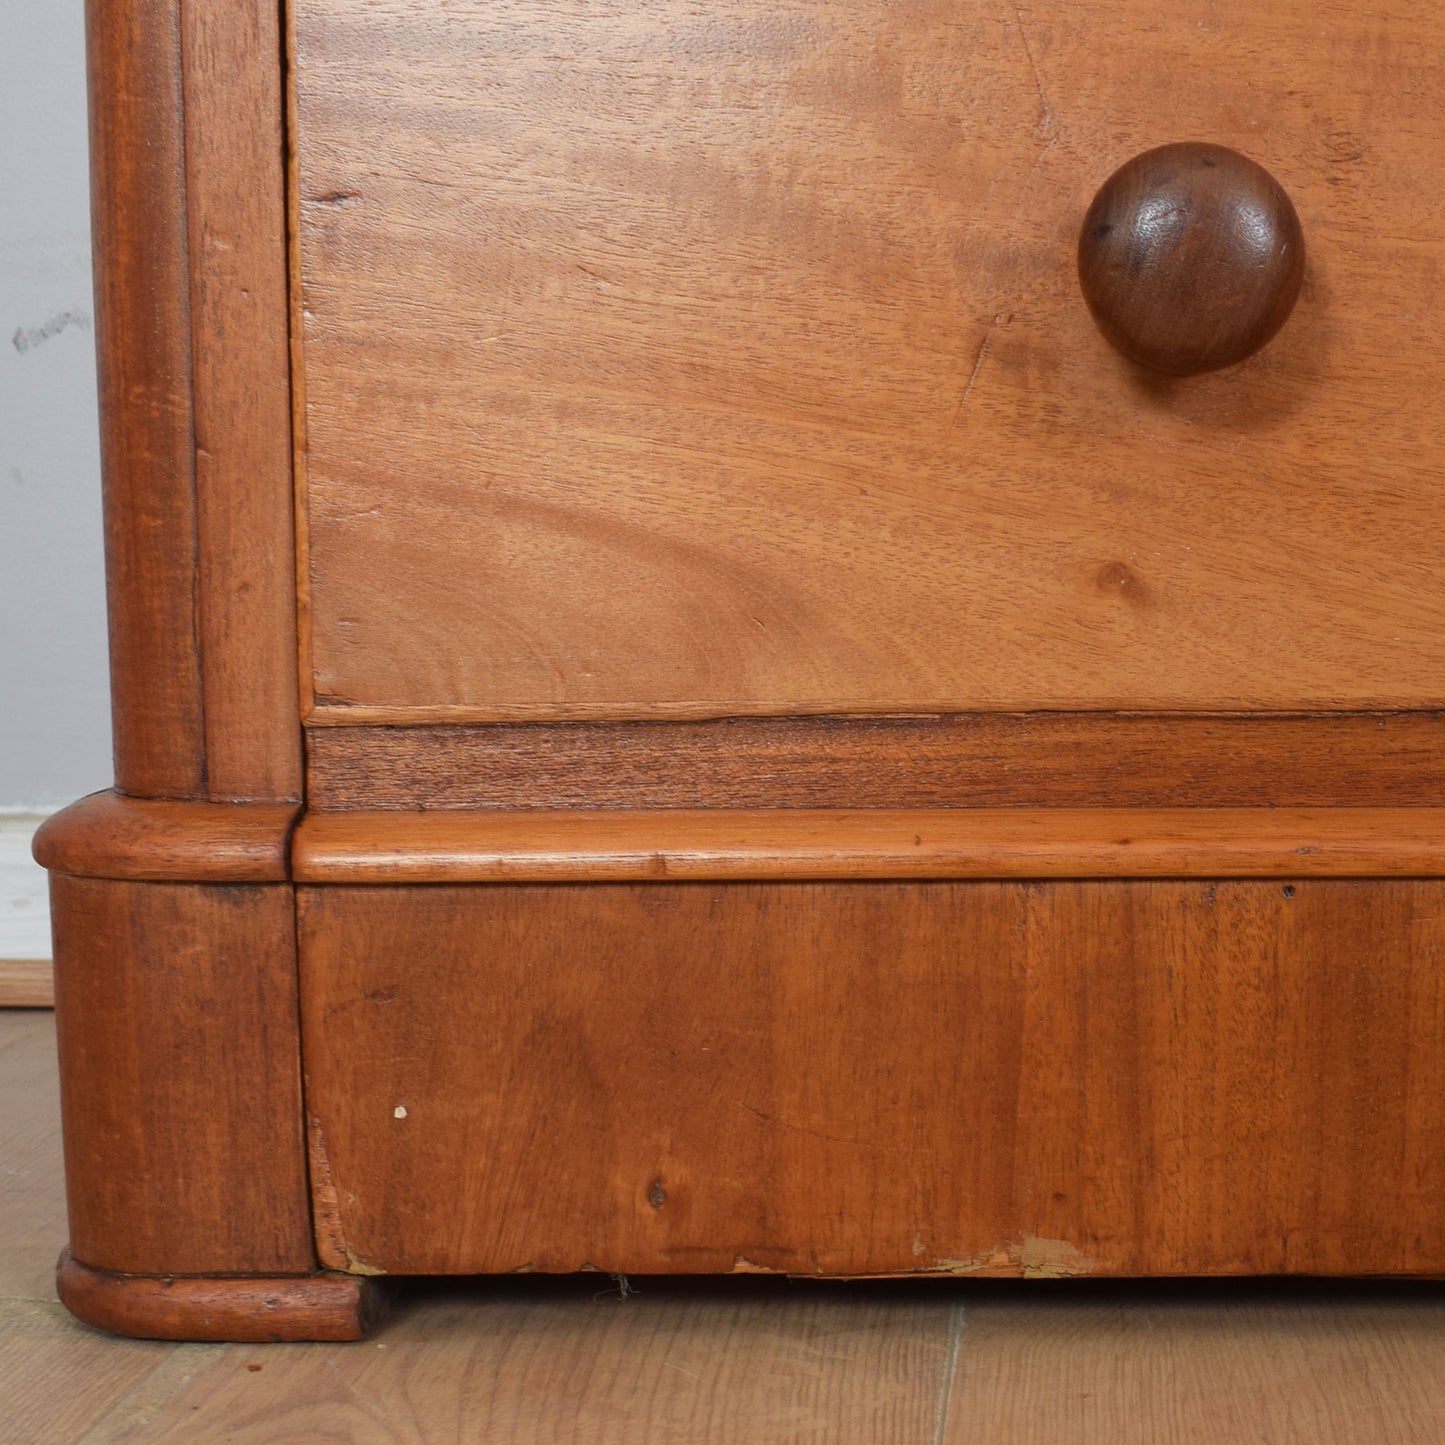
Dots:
{"x": 177, "y": 1021}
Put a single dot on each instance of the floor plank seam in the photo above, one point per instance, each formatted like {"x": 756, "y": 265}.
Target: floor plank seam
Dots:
{"x": 950, "y": 1369}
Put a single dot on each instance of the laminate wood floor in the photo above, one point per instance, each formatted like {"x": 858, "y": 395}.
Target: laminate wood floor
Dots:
{"x": 575, "y": 1362}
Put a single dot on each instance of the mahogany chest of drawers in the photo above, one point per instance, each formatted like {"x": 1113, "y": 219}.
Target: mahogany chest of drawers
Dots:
{"x": 679, "y": 708}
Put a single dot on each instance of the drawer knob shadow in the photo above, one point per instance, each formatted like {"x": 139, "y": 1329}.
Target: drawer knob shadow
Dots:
{"x": 1190, "y": 258}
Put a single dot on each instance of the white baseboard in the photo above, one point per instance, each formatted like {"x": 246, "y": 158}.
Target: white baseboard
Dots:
{"x": 24, "y": 898}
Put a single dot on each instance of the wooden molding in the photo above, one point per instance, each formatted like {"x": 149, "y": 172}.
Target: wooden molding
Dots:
{"x": 26, "y": 983}
{"x": 972, "y": 760}
{"x": 1000, "y": 843}
{"x": 110, "y": 836}
{"x": 241, "y": 1310}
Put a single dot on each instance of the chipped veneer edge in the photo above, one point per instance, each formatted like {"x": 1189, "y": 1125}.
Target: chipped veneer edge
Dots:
{"x": 332, "y": 1248}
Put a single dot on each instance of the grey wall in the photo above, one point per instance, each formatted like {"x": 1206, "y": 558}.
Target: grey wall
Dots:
{"x": 54, "y": 712}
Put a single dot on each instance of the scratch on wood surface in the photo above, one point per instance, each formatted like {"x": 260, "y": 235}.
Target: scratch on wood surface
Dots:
{"x": 332, "y": 1248}
{"x": 972, "y": 377}
{"x": 1038, "y": 160}
{"x": 1047, "y": 119}
{"x": 804, "y": 1129}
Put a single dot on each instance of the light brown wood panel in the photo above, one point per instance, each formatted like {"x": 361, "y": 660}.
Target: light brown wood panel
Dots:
{"x": 983, "y": 760}
{"x": 693, "y": 362}
{"x": 1045, "y": 1079}
{"x": 1198, "y": 1367}
{"x": 621, "y": 845}
{"x": 236, "y": 213}
{"x": 143, "y": 366}
{"x": 180, "y": 1070}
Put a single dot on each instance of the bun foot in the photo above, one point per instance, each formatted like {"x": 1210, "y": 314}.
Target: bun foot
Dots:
{"x": 243, "y": 1309}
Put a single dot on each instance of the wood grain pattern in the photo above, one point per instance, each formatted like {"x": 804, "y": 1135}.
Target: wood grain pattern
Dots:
{"x": 737, "y": 364}
{"x": 622, "y": 845}
{"x": 1197, "y": 1366}
{"x": 694, "y": 1362}
{"x": 979, "y": 761}
{"x": 245, "y": 1310}
{"x": 109, "y": 836}
{"x": 143, "y": 365}
{"x": 180, "y": 1070}
{"x": 969, "y": 1078}
{"x": 521, "y": 1362}
{"x": 62, "y": 1381}
{"x": 236, "y": 214}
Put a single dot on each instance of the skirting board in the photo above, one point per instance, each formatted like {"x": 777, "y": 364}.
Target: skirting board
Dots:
{"x": 25, "y": 977}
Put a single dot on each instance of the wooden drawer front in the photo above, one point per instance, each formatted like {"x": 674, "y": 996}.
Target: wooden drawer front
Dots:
{"x": 1111, "y": 1078}
{"x": 680, "y": 360}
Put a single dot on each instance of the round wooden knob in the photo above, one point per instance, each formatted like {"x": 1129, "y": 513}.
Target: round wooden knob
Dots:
{"x": 1190, "y": 258}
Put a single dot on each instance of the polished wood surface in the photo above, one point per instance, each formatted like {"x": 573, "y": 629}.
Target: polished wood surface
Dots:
{"x": 978, "y": 761}
{"x": 107, "y": 835}
{"x": 258, "y": 1311}
{"x": 738, "y": 365}
{"x": 622, "y": 845}
{"x": 1190, "y": 258}
{"x": 181, "y": 1080}
{"x": 191, "y": 341}
{"x": 1042, "y": 1080}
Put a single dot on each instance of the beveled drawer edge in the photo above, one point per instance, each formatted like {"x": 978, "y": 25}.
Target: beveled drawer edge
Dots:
{"x": 995, "y": 843}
